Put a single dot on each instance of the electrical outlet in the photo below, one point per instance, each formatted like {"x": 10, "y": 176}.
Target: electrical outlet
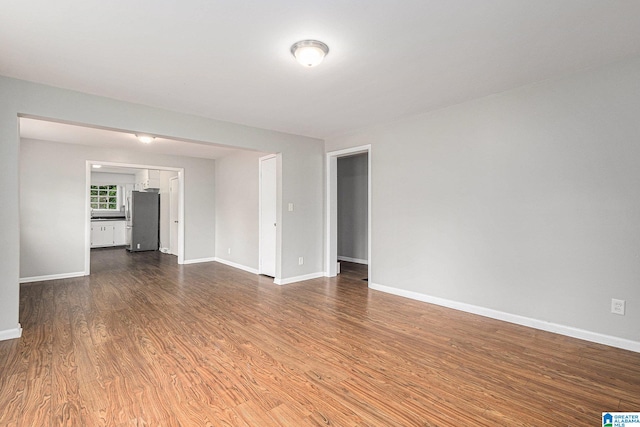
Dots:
{"x": 229, "y": 251}
{"x": 300, "y": 261}
{"x": 617, "y": 306}
{"x": 290, "y": 207}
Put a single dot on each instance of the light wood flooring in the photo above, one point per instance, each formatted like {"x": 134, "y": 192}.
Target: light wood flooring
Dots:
{"x": 144, "y": 341}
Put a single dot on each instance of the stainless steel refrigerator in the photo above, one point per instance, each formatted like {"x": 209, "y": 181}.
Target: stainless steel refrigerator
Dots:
{"x": 143, "y": 221}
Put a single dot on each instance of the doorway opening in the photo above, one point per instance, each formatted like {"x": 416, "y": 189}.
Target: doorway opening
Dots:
{"x": 331, "y": 256}
{"x": 353, "y": 188}
{"x": 165, "y": 230}
{"x": 53, "y": 154}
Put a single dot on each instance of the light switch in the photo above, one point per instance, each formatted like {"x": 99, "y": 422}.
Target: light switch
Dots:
{"x": 290, "y": 207}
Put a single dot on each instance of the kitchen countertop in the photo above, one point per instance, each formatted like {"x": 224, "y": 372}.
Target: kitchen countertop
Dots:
{"x": 115, "y": 218}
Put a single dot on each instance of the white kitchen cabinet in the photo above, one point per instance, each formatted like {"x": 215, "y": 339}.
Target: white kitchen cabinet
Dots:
{"x": 119, "y": 235}
{"x": 148, "y": 178}
{"x": 107, "y": 233}
{"x": 102, "y": 234}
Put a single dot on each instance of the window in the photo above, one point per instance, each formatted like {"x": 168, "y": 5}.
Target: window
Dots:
{"x": 104, "y": 197}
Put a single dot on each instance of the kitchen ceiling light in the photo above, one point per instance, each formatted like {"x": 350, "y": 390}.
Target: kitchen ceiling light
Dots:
{"x": 145, "y": 139}
{"x": 309, "y": 53}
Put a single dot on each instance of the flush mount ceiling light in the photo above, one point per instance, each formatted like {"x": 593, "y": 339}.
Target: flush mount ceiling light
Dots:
{"x": 309, "y": 53}
{"x": 146, "y": 139}
{"x": 96, "y": 166}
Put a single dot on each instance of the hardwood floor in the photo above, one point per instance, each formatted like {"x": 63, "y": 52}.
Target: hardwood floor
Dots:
{"x": 144, "y": 341}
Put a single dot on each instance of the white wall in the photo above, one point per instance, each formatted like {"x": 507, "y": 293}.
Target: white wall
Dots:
{"x": 106, "y": 178}
{"x": 52, "y": 229}
{"x": 301, "y": 166}
{"x": 525, "y": 203}
{"x": 353, "y": 188}
{"x": 237, "y": 191}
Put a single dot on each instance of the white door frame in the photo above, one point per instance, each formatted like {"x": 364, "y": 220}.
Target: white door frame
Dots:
{"x": 331, "y": 226}
{"x": 260, "y": 160}
{"x": 87, "y": 204}
{"x": 170, "y": 209}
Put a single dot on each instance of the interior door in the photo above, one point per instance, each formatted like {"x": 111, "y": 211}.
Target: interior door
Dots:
{"x": 268, "y": 226}
{"x": 173, "y": 216}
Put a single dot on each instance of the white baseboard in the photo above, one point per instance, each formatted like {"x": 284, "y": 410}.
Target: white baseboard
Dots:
{"x": 52, "y": 277}
{"x": 298, "y": 278}
{"x": 514, "y": 318}
{"x": 198, "y": 260}
{"x": 236, "y": 265}
{"x": 10, "y": 334}
{"x": 356, "y": 260}
{"x": 164, "y": 250}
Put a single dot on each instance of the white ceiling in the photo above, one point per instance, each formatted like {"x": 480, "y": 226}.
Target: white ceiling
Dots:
{"x": 71, "y": 134}
{"x": 230, "y": 60}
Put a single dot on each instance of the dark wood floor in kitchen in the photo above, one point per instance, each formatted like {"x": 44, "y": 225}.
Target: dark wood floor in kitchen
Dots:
{"x": 144, "y": 341}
